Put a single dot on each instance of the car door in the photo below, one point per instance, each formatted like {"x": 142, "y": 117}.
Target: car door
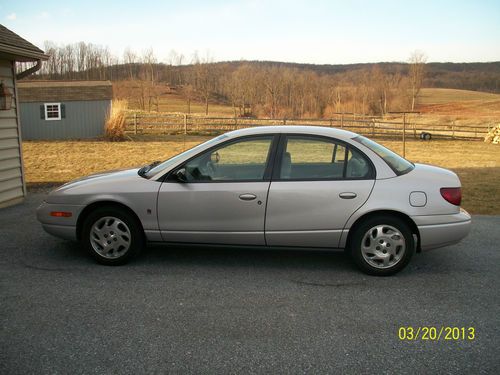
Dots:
{"x": 318, "y": 183}
{"x": 223, "y": 195}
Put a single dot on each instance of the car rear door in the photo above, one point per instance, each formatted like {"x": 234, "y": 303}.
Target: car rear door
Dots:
{"x": 223, "y": 200}
{"x": 317, "y": 184}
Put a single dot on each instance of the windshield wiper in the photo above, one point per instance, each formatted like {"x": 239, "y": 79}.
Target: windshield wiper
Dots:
{"x": 141, "y": 172}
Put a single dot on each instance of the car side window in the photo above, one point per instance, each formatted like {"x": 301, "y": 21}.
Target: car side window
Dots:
{"x": 308, "y": 158}
{"x": 243, "y": 160}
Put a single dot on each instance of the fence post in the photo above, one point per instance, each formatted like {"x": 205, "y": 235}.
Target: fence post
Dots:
{"x": 373, "y": 127}
{"x": 341, "y": 120}
{"x": 453, "y": 130}
{"x": 404, "y": 134}
{"x": 185, "y": 124}
{"x": 235, "y": 123}
{"x": 135, "y": 123}
{"x": 331, "y": 123}
{"x": 284, "y": 121}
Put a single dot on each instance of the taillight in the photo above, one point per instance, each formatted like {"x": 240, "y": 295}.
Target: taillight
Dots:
{"x": 452, "y": 195}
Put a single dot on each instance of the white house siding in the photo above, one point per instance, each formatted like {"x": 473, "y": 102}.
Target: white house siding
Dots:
{"x": 12, "y": 187}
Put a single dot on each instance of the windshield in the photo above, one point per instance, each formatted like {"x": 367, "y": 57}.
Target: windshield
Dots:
{"x": 398, "y": 164}
{"x": 173, "y": 160}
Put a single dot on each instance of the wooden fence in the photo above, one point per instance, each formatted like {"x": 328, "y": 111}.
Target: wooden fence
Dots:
{"x": 163, "y": 123}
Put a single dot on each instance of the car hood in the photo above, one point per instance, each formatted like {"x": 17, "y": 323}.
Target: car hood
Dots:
{"x": 114, "y": 172}
{"x": 98, "y": 177}
{"x": 103, "y": 182}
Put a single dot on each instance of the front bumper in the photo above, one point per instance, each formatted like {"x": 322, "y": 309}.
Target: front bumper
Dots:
{"x": 442, "y": 230}
{"x": 62, "y": 227}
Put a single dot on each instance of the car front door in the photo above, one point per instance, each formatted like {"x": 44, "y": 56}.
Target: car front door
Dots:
{"x": 221, "y": 195}
{"x": 317, "y": 185}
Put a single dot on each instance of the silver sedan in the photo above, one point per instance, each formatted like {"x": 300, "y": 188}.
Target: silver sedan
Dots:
{"x": 287, "y": 186}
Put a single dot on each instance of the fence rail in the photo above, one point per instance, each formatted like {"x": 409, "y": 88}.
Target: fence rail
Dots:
{"x": 162, "y": 123}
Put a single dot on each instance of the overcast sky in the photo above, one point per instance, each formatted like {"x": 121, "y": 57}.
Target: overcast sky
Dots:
{"x": 321, "y": 32}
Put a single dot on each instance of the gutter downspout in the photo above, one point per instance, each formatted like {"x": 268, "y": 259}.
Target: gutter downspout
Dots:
{"x": 29, "y": 71}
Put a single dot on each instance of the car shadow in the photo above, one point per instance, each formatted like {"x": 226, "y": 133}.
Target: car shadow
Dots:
{"x": 244, "y": 257}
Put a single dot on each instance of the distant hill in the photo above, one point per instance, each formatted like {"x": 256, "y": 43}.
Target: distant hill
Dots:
{"x": 465, "y": 76}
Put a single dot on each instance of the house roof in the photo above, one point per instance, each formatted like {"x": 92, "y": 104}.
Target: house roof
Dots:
{"x": 69, "y": 83}
{"x": 60, "y": 91}
{"x": 13, "y": 47}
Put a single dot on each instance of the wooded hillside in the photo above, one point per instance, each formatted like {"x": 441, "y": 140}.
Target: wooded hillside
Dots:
{"x": 264, "y": 88}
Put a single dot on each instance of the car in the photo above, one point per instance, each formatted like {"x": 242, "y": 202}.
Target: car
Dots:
{"x": 275, "y": 187}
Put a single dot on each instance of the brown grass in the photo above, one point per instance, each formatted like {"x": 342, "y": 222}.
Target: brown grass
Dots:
{"x": 477, "y": 163}
{"x": 464, "y": 106}
{"x": 115, "y": 124}
{"x": 441, "y": 96}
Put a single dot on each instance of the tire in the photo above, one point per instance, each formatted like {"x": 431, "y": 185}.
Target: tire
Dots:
{"x": 382, "y": 245}
{"x": 425, "y": 136}
{"x": 112, "y": 236}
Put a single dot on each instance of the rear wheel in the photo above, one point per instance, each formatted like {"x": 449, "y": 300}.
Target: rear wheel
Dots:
{"x": 382, "y": 245}
{"x": 112, "y": 235}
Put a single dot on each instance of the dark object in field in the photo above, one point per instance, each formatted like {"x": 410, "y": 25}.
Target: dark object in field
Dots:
{"x": 425, "y": 136}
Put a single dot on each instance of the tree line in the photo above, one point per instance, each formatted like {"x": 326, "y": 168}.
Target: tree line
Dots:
{"x": 265, "y": 89}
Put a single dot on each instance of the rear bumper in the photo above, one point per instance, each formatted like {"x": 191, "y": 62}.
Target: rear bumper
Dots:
{"x": 442, "y": 230}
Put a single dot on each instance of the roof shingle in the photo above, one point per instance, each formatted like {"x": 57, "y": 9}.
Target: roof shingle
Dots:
{"x": 11, "y": 43}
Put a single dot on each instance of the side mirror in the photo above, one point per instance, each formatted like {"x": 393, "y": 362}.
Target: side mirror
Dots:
{"x": 181, "y": 175}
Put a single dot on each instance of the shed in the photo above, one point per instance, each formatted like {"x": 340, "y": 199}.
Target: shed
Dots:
{"x": 64, "y": 109}
{"x": 13, "y": 48}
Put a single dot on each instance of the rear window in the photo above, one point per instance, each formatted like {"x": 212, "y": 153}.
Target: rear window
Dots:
{"x": 397, "y": 163}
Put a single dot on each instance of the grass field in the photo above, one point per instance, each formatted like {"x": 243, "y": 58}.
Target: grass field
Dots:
{"x": 441, "y": 96}
{"x": 459, "y": 103}
{"x": 175, "y": 103}
{"x": 436, "y": 106}
{"x": 434, "y": 100}
{"x": 477, "y": 163}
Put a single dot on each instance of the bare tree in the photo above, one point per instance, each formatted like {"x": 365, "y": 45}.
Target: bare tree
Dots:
{"x": 204, "y": 70}
{"x": 188, "y": 93}
{"x": 149, "y": 61}
{"x": 416, "y": 75}
{"x": 130, "y": 58}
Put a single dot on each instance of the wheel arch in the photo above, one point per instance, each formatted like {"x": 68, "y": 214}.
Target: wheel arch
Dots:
{"x": 405, "y": 218}
{"x": 99, "y": 204}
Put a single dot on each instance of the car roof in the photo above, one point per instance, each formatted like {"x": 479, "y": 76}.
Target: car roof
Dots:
{"x": 383, "y": 170}
{"x": 297, "y": 129}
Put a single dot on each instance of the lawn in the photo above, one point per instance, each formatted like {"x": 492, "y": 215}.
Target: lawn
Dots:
{"x": 477, "y": 163}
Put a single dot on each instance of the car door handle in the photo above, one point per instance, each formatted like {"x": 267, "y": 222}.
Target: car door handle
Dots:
{"x": 247, "y": 197}
{"x": 348, "y": 195}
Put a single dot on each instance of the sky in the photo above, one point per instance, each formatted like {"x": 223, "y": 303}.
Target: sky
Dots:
{"x": 303, "y": 31}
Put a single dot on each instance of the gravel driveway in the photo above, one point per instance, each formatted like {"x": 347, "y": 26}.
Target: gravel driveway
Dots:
{"x": 196, "y": 310}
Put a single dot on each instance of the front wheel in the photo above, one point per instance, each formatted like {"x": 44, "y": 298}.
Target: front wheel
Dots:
{"x": 382, "y": 246}
{"x": 112, "y": 235}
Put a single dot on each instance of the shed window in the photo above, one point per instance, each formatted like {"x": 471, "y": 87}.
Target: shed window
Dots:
{"x": 52, "y": 111}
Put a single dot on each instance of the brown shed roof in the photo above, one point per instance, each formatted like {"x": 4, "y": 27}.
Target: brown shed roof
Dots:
{"x": 17, "y": 48}
{"x": 58, "y": 91}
